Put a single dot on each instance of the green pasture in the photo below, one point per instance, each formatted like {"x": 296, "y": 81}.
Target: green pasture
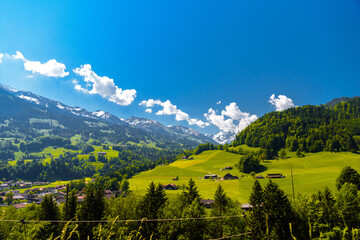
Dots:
{"x": 310, "y": 173}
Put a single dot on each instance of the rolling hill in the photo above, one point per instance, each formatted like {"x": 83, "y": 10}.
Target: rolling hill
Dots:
{"x": 310, "y": 174}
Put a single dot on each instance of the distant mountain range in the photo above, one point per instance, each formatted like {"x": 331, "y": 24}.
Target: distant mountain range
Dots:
{"x": 25, "y": 113}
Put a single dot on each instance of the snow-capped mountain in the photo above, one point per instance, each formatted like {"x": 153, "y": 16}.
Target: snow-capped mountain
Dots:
{"x": 27, "y": 105}
{"x": 178, "y": 131}
{"x": 108, "y": 117}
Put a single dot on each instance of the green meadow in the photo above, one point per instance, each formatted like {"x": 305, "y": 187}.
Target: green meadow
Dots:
{"x": 310, "y": 173}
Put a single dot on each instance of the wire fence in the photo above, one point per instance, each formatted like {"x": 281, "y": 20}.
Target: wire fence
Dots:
{"x": 120, "y": 221}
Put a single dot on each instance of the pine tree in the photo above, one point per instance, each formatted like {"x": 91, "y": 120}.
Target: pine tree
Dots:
{"x": 278, "y": 210}
{"x": 190, "y": 193}
{"x": 150, "y": 206}
{"x": 221, "y": 201}
{"x": 48, "y": 209}
{"x": 220, "y": 204}
{"x": 70, "y": 205}
{"x": 350, "y": 175}
{"x": 256, "y": 219}
{"x": 91, "y": 209}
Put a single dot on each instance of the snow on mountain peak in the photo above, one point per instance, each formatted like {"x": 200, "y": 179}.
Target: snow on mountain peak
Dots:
{"x": 31, "y": 99}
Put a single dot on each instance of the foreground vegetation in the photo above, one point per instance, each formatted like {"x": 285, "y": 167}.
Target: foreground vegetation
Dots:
{"x": 272, "y": 214}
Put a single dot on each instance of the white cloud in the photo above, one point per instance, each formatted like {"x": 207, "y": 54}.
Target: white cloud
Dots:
{"x": 230, "y": 122}
{"x": 233, "y": 111}
{"x": 281, "y": 103}
{"x": 104, "y": 86}
{"x": 219, "y": 102}
{"x": 51, "y": 68}
{"x": 170, "y": 109}
{"x": 148, "y": 110}
{"x": 1, "y": 57}
{"x": 225, "y": 125}
{"x": 18, "y": 55}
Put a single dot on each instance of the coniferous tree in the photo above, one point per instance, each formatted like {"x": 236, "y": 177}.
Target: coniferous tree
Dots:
{"x": 91, "y": 209}
{"x": 70, "y": 205}
{"x": 221, "y": 201}
{"x": 350, "y": 175}
{"x": 48, "y": 211}
{"x": 348, "y": 204}
{"x": 278, "y": 211}
{"x": 193, "y": 229}
{"x": 150, "y": 206}
{"x": 256, "y": 218}
{"x": 190, "y": 193}
{"x": 220, "y": 204}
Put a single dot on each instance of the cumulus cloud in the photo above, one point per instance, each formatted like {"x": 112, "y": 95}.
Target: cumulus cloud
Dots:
{"x": 1, "y": 57}
{"x": 281, "y": 103}
{"x": 148, "y": 110}
{"x": 230, "y": 122}
{"x": 104, "y": 86}
{"x": 51, "y": 68}
{"x": 170, "y": 109}
{"x": 219, "y": 102}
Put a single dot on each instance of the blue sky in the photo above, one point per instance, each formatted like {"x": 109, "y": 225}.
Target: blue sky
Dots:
{"x": 191, "y": 53}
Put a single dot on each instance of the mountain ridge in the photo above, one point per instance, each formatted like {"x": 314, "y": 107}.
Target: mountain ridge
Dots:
{"x": 33, "y": 106}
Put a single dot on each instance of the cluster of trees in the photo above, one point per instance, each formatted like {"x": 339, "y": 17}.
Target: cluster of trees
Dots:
{"x": 65, "y": 167}
{"x": 248, "y": 163}
{"x": 43, "y": 142}
{"x": 204, "y": 147}
{"x": 7, "y": 150}
{"x": 308, "y": 129}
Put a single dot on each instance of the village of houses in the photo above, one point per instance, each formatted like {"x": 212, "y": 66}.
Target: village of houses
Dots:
{"x": 35, "y": 193}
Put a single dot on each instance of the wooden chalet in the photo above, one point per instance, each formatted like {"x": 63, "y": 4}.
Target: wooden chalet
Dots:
{"x": 211, "y": 176}
{"x": 246, "y": 206}
{"x": 275, "y": 175}
{"x": 228, "y": 176}
{"x": 228, "y": 168}
{"x": 170, "y": 186}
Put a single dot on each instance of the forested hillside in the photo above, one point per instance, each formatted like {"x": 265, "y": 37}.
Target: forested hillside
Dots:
{"x": 308, "y": 129}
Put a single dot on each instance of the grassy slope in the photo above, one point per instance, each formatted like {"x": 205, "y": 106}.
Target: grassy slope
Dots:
{"x": 311, "y": 173}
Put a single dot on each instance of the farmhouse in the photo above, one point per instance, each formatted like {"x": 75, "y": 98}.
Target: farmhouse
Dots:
{"x": 208, "y": 203}
{"x": 228, "y": 168}
{"x": 211, "y": 176}
{"x": 228, "y": 176}
{"x": 108, "y": 194}
{"x": 246, "y": 206}
{"x": 275, "y": 175}
{"x": 260, "y": 177}
{"x": 170, "y": 186}
{"x": 101, "y": 153}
